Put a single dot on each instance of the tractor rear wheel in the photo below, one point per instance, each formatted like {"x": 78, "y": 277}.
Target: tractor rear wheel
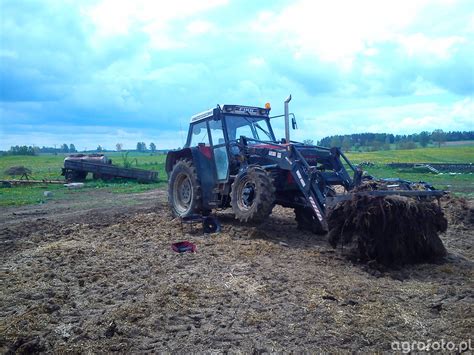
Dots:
{"x": 252, "y": 195}
{"x": 184, "y": 189}
{"x": 308, "y": 221}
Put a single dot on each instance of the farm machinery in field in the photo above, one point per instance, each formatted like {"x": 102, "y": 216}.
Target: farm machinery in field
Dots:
{"x": 233, "y": 159}
{"x": 78, "y": 166}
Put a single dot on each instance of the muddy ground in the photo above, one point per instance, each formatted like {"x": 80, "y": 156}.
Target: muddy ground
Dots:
{"x": 98, "y": 274}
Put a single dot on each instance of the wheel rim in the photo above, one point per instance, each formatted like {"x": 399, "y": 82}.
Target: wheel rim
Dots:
{"x": 182, "y": 193}
{"x": 246, "y": 195}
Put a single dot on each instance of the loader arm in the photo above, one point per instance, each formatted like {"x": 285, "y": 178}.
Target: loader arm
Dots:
{"x": 308, "y": 180}
{"x": 313, "y": 169}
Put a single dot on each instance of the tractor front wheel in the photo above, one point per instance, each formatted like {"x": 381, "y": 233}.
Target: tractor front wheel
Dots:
{"x": 252, "y": 195}
{"x": 184, "y": 189}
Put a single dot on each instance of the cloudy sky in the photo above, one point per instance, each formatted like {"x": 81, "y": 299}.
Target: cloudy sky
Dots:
{"x": 102, "y": 72}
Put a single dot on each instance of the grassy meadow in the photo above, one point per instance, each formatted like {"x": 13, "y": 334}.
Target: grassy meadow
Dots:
{"x": 445, "y": 154}
{"x": 48, "y": 166}
{"x": 457, "y": 183}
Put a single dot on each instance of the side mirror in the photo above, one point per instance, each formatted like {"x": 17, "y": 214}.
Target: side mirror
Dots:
{"x": 293, "y": 122}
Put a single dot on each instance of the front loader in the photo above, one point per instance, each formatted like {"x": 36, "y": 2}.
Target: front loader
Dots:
{"x": 233, "y": 159}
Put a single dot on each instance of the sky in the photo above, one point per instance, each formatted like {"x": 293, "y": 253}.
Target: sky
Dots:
{"x": 120, "y": 71}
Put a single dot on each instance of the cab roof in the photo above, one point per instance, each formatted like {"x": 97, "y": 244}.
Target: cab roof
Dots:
{"x": 232, "y": 109}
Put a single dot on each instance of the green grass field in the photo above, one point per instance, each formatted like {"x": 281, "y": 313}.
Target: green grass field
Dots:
{"x": 462, "y": 184}
{"x": 49, "y": 167}
{"x": 445, "y": 154}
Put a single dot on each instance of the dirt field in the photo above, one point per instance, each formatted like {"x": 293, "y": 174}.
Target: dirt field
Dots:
{"x": 98, "y": 274}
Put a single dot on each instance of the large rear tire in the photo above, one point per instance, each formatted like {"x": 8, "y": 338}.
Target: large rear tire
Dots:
{"x": 184, "y": 189}
{"x": 252, "y": 195}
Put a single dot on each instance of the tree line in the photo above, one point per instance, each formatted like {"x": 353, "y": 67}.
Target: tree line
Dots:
{"x": 385, "y": 141}
{"x": 34, "y": 150}
{"x": 65, "y": 148}
{"x": 141, "y": 147}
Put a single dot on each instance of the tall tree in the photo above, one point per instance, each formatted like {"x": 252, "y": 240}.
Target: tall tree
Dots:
{"x": 152, "y": 147}
{"x": 141, "y": 146}
{"x": 438, "y": 136}
{"x": 424, "y": 138}
{"x": 118, "y": 147}
{"x": 72, "y": 148}
{"x": 65, "y": 148}
{"x": 99, "y": 148}
{"x": 336, "y": 141}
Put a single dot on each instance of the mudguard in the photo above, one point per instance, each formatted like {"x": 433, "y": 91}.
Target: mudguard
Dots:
{"x": 202, "y": 159}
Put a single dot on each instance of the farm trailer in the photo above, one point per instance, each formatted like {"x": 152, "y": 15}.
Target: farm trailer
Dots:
{"x": 76, "y": 168}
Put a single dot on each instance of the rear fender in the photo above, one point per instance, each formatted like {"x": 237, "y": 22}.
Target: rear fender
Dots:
{"x": 205, "y": 167}
{"x": 173, "y": 156}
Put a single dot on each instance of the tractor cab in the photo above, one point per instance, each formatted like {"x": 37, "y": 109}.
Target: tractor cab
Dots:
{"x": 229, "y": 123}
{"x": 216, "y": 133}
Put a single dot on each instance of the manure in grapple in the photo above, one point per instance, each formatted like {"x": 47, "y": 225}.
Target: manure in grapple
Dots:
{"x": 392, "y": 230}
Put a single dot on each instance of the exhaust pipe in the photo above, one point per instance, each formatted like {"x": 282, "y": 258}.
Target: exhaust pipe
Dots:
{"x": 287, "y": 120}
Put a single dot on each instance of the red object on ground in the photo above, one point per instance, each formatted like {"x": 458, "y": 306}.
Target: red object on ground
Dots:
{"x": 183, "y": 247}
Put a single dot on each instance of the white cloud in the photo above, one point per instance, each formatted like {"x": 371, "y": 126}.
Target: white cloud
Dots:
{"x": 199, "y": 27}
{"x": 421, "y": 87}
{"x": 337, "y": 30}
{"x": 421, "y": 45}
{"x": 397, "y": 119}
{"x": 463, "y": 111}
{"x": 111, "y": 18}
{"x": 257, "y": 61}
{"x": 115, "y": 17}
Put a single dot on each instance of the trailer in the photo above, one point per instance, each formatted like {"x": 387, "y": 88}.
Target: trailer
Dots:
{"x": 77, "y": 167}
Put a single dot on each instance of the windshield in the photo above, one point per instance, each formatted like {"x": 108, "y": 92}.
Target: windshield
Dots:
{"x": 250, "y": 127}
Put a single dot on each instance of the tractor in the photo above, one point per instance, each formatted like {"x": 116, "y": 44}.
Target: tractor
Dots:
{"x": 233, "y": 159}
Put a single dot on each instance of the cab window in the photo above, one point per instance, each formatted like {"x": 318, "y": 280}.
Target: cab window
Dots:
{"x": 199, "y": 134}
{"x": 245, "y": 131}
{"x": 217, "y": 132}
{"x": 250, "y": 127}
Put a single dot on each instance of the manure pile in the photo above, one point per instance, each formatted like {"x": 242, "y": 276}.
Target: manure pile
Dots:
{"x": 391, "y": 230}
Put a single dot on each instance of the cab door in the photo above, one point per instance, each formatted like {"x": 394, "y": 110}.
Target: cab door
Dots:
{"x": 219, "y": 149}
